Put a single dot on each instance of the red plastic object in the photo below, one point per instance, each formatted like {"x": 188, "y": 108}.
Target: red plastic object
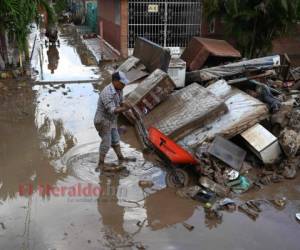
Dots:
{"x": 169, "y": 148}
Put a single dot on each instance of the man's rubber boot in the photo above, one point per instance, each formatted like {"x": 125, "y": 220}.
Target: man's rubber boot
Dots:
{"x": 121, "y": 157}
{"x": 100, "y": 163}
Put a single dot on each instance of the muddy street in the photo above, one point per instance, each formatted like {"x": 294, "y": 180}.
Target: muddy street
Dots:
{"x": 52, "y": 198}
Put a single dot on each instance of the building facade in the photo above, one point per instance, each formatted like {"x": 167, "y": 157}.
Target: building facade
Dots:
{"x": 170, "y": 23}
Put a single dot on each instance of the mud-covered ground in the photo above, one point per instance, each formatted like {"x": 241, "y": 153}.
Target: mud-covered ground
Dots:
{"x": 51, "y": 197}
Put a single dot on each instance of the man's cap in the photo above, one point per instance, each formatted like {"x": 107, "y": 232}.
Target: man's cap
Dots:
{"x": 122, "y": 77}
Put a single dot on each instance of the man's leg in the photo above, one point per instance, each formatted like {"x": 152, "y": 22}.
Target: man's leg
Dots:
{"x": 115, "y": 137}
{"x": 115, "y": 143}
{"x": 105, "y": 134}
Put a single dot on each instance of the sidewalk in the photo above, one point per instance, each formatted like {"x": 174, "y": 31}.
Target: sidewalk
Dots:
{"x": 106, "y": 53}
{"x": 101, "y": 50}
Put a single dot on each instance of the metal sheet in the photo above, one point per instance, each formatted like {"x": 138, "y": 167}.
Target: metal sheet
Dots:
{"x": 200, "y": 49}
{"x": 258, "y": 137}
{"x": 228, "y": 152}
{"x": 263, "y": 143}
{"x": 152, "y": 55}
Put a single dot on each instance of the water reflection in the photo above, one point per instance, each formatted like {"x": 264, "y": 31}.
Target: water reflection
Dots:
{"x": 111, "y": 212}
{"x": 53, "y": 58}
{"x": 164, "y": 208}
{"x": 22, "y": 162}
{"x": 55, "y": 140}
{"x": 67, "y": 63}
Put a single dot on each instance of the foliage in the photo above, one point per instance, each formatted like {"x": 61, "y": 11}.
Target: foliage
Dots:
{"x": 254, "y": 24}
{"x": 60, "y": 6}
{"x": 16, "y": 15}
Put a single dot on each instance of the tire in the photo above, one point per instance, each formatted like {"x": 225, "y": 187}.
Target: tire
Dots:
{"x": 177, "y": 178}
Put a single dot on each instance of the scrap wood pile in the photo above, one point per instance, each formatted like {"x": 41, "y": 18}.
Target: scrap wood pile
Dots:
{"x": 240, "y": 119}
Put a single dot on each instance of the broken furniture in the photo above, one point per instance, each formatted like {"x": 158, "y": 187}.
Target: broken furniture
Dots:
{"x": 262, "y": 143}
{"x": 149, "y": 93}
{"x": 227, "y": 152}
{"x": 147, "y": 57}
{"x": 133, "y": 69}
{"x": 233, "y": 69}
{"x": 184, "y": 111}
{"x": 244, "y": 111}
{"x": 177, "y": 71}
{"x": 210, "y": 52}
{"x": 152, "y": 55}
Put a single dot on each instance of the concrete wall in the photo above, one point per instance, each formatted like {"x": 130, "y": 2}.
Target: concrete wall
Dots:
{"x": 112, "y": 15}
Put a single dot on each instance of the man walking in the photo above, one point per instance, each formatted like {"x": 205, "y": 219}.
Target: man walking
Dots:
{"x": 110, "y": 105}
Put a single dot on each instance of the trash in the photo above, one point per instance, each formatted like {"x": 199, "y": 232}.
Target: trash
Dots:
{"x": 205, "y": 196}
{"x": 211, "y": 212}
{"x": 294, "y": 122}
{"x": 215, "y": 187}
{"x": 188, "y": 226}
{"x": 289, "y": 141}
{"x": 248, "y": 78}
{"x": 244, "y": 111}
{"x": 227, "y": 152}
{"x": 281, "y": 202}
{"x": 188, "y": 192}
{"x": 298, "y": 216}
{"x": 233, "y": 69}
{"x": 152, "y": 55}
{"x": 245, "y": 209}
{"x": 146, "y": 184}
{"x": 226, "y": 201}
{"x": 231, "y": 174}
{"x": 181, "y": 112}
{"x": 295, "y": 73}
{"x": 255, "y": 205}
{"x": 149, "y": 93}
{"x": 241, "y": 185}
{"x": 273, "y": 178}
{"x": 133, "y": 69}
{"x": 289, "y": 167}
{"x": 262, "y": 143}
{"x": 290, "y": 172}
{"x": 281, "y": 119}
{"x": 200, "y": 51}
{"x": 177, "y": 71}
{"x": 266, "y": 96}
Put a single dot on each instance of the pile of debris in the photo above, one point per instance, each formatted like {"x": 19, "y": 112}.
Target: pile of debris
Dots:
{"x": 240, "y": 119}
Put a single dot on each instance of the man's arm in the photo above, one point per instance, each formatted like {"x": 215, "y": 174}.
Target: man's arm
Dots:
{"x": 124, "y": 107}
{"x": 110, "y": 106}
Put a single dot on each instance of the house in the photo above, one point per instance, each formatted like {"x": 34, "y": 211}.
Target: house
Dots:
{"x": 169, "y": 23}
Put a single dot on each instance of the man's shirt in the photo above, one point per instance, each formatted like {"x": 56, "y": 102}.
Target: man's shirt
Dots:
{"x": 109, "y": 100}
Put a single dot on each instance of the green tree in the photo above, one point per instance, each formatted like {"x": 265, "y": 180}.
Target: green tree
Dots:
{"x": 16, "y": 15}
{"x": 60, "y": 6}
{"x": 254, "y": 24}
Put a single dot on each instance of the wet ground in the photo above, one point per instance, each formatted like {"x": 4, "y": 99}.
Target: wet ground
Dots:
{"x": 51, "y": 197}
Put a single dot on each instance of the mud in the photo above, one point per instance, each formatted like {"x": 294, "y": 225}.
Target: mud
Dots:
{"x": 48, "y": 140}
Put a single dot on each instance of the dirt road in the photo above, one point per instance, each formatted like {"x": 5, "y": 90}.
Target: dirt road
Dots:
{"x": 51, "y": 197}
